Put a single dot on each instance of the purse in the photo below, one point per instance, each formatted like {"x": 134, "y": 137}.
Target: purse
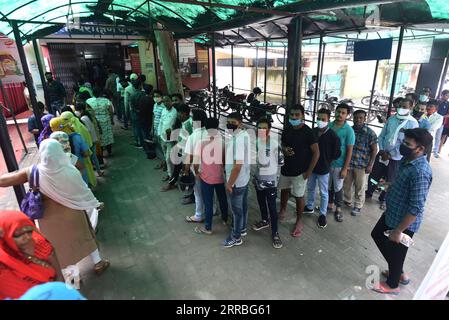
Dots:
{"x": 32, "y": 204}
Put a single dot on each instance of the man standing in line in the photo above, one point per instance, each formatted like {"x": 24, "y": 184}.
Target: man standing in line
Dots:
{"x": 168, "y": 118}
{"x": 362, "y": 161}
{"x": 404, "y": 212}
{"x": 443, "y": 110}
{"x": 129, "y": 91}
{"x": 301, "y": 151}
{"x": 237, "y": 167}
{"x": 389, "y": 157}
{"x": 436, "y": 121}
{"x": 311, "y": 93}
{"x": 339, "y": 168}
{"x": 330, "y": 150}
{"x": 56, "y": 94}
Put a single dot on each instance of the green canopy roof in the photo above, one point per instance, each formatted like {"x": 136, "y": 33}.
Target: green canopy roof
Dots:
{"x": 187, "y": 18}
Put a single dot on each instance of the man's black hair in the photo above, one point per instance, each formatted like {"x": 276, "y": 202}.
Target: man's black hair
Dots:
{"x": 40, "y": 106}
{"x": 136, "y": 83}
{"x": 298, "y": 107}
{"x": 183, "y": 108}
{"x": 199, "y": 115}
{"x": 360, "y": 112}
{"x": 142, "y": 78}
{"x": 398, "y": 100}
{"x": 158, "y": 92}
{"x": 257, "y": 90}
{"x": 236, "y": 116}
{"x": 148, "y": 88}
{"x": 97, "y": 92}
{"x": 325, "y": 111}
{"x": 211, "y": 123}
{"x": 421, "y": 136}
{"x": 344, "y": 106}
{"x": 409, "y": 101}
{"x": 432, "y": 102}
{"x": 264, "y": 120}
{"x": 444, "y": 92}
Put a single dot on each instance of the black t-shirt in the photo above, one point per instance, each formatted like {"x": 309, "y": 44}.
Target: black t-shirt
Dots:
{"x": 300, "y": 141}
{"x": 330, "y": 150}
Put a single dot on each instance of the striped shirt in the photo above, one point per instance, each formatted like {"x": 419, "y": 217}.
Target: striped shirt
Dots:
{"x": 364, "y": 138}
{"x": 157, "y": 112}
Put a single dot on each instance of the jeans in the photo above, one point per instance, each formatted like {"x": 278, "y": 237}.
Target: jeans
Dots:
{"x": 136, "y": 128}
{"x": 120, "y": 109}
{"x": 267, "y": 203}
{"x": 199, "y": 203}
{"x": 208, "y": 198}
{"x": 239, "y": 203}
{"x": 394, "y": 253}
{"x": 335, "y": 187}
{"x": 323, "y": 184}
{"x": 436, "y": 145}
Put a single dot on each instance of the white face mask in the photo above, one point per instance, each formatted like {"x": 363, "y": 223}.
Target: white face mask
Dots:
{"x": 321, "y": 124}
{"x": 403, "y": 112}
{"x": 78, "y": 113}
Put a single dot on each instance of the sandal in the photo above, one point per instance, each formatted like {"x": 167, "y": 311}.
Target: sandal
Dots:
{"x": 385, "y": 289}
{"x": 202, "y": 230}
{"x": 101, "y": 266}
{"x": 191, "y": 219}
{"x": 296, "y": 233}
{"x": 402, "y": 280}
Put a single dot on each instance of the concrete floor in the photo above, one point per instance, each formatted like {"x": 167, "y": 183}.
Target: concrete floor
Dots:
{"x": 155, "y": 254}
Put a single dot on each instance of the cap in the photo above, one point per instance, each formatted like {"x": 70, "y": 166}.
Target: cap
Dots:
{"x": 133, "y": 76}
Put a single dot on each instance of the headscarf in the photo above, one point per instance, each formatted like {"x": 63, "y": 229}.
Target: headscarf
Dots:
{"x": 52, "y": 291}
{"x": 12, "y": 257}
{"x": 56, "y": 124}
{"x": 61, "y": 181}
{"x": 47, "y": 130}
{"x": 63, "y": 139}
{"x": 77, "y": 126}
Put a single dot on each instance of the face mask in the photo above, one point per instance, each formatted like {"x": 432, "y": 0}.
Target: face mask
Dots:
{"x": 295, "y": 122}
{"x": 322, "y": 124}
{"x": 78, "y": 114}
{"x": 423, "y": 98}
{"x": 231, "y": 126}
{"x": 403, "y": 112}
{"x": 406, "y": 151}
{"x": 417, "y": 114}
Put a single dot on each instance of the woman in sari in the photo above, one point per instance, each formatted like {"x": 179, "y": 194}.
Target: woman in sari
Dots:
{"x": 46, "y": 128}
{"x": 104, "y": 113}
{"x": 65, "y": 199}
{"x": 79, "y": 146}
{"x": 27, "y": 259}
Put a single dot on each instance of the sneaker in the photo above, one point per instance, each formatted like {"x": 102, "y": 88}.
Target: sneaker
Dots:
{"x": 436, "y": 155}
{"x": 322, "y": 221}
{"x": 168, "y": 187}
{"x": 308, "y": 210}
{"x": 202, "y": 230}
{"x": 187, "y": 201}
{"x": 348, "y": 204}
{"x": 356, "y": 211}
{"x": 261, "y": 225}
{"x": 166, "y": 178}
{"x": 383, "y": 205}
{"x": 244, "y": 233}
{"x": 230, "y": 242}
{"x": 277, "y": 243}
{"x": 338, "y": 216}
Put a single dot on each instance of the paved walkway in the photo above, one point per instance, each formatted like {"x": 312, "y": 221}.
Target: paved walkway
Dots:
{"x": 156, "y": 255}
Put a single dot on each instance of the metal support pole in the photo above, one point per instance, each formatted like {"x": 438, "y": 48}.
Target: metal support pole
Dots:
{"x": 283, "y": 77}
{"x": 177, "y": 52}
{"x": 214, "y": 76}
{"x": 7, "y": 105}
{"x": 299, "y": 72}
{"x": 396, "y": 68}
{"x": 10, "y": 158}
{"x": 156, "y": 65}
{"x": 257, "y": 62}
{"x": 26, "y": 71}
{"x": 232, "y": 66}
{"x": 318, "y": 77}
{"x": 373, "y": 88}
{"x": 265, "y": 73}
{"x": 41, "y": 71}
{"x": 208, "y": 67}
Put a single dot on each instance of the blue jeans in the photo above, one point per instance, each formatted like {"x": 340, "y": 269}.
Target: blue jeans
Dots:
{"x": 239, "y": 203}
{"x": 208, "y": 199}
{"x": 323, "y": 183}
{"x": 436, "y": 145}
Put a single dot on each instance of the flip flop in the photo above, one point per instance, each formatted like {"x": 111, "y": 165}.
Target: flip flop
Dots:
{"x": 383, "y": 288}
{"x": 296, "y": 233}
{"x": 402, "y": 281}
{"x": 191, "y": 220}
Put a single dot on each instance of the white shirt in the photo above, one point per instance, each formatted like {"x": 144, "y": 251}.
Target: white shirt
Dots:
{"x": 436, "y": 122}
{"x": 168, "y": 118}
{"x": 90, "y": 126}
{"x": 237, "y": 149}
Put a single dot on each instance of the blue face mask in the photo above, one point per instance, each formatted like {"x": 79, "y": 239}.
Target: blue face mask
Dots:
{"x": 295, "y": 122}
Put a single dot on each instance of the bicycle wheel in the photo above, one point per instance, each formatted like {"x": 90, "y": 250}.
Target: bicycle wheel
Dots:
{"x": 223, "y": 105}
{"x": 280, "y": 114}
{"x": 366, "y": 100}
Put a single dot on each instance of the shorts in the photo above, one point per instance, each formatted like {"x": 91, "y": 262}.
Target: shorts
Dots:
{"x": 297, "y": 185}
{"x": 446, "y": 131}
